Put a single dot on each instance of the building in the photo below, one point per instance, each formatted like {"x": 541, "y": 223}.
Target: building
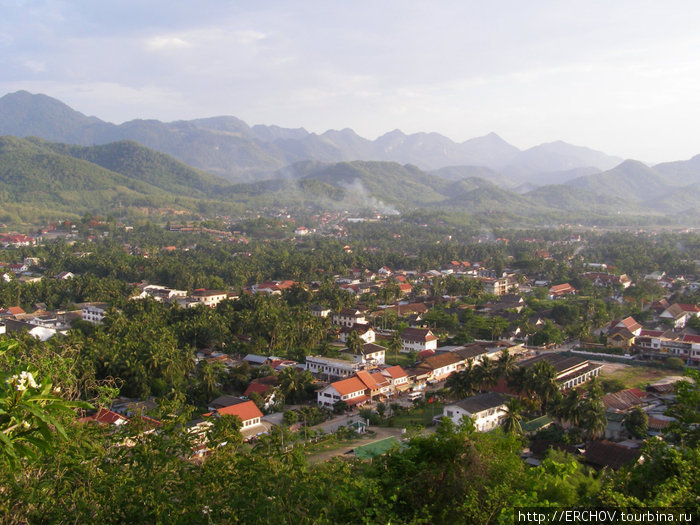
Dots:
{"x": 500, "y": 285}
{"x": 349, "y": 317}
{"x": 418, "y": 339}
{"x": 678, "y": 314}
{"x": 209, "y": 298}
{"x": 571, "y": 370}
{"x": 370, "y": 355}
{"x": 247, "y": 412}
{"x": 654, "y": 344}
{"x": 366, "y": 333}
{"x": 442, "y": 365}
{"x": 94, "y": 312}
{"x": 397, "y": 376}
{"x": 319, "y": 311}
{"x": 485, "y": 410}
{"x": 350, "y": 390}
{"x": 331, "y": 368}
{"x": 560, "y": 290}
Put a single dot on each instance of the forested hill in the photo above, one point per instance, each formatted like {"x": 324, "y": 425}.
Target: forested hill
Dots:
{"x": 132, "y": 160}
{"x": 40, "y": 180}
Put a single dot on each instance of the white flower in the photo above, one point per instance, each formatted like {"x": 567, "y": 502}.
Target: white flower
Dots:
{"x": 57, "y": 390}
{"x": 25, "y": 424}
{"x": 206, "y": 510}
{"x": 29, "y": 378}
{"x": 23, "y": 381}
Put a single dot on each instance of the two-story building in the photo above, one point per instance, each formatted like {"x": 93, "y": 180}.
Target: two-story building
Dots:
{"x": 418, "y": 339}
{"x": 349, "y": 317}
{"x": 485, "y": 410}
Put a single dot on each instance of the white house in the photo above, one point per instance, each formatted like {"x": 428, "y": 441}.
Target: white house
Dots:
{"x": 370, "y": 355}
{"x": 349, "y": 317}
{"x": 365, "y": 332}
{"x": 209, "y": 298}
{"x": 442, "y": 365}
{"x": 680, "y": 313}
{"x": 330, "y": 367}
{"x": 247, "y": 412}
{"x": 319, "y": 311}
{"x": 350, "y": 390}
{"x": 418, "y": 339}
{"x": 93, "y": 312}
{"x": 486, "y": 410}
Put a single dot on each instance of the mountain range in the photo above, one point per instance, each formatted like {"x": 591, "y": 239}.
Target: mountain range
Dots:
{"x": 229, "y": 147}
{"x": 70, "y": 163}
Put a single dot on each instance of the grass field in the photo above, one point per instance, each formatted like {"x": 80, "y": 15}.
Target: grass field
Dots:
{"x": 401, "y": 359}
{"x": 417, "y": 416}
{"x": 634, "y": 376}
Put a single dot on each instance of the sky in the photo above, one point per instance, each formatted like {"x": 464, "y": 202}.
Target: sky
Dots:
{"x": 621, "y": 77}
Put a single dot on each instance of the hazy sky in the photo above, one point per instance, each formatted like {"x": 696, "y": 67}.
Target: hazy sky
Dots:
{"x": 618, "y": 76}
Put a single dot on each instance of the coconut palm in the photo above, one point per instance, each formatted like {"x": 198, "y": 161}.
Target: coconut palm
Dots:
{"x": 462, "y": 384}
{"x": 513, "y": 416}
{"x": 570, "y": 407}
{"x": 395, "y": 344}
{"x": 593, "y": 419}
{"x": 354, "y": 342}
{"x": 486, "y": 373}
{"x": 518, "y": 380}
{"x": 505, "y": 365}
{"x": 541, "y": 380}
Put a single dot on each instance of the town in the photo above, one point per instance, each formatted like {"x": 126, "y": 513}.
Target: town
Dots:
{"x": 351, "y": 344}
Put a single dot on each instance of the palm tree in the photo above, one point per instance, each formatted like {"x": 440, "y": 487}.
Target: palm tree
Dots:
{"x": 462, "y": 384}
{"x": 541, "y": 380}
{"x": 505, "y": 365}
{"x": 569, "y": 409}
{"x": 395, "y": 344}
{"x": 513, "y": 416}
{"x": 294, "y": 382}
{"x": 593, "y": 418}
{"x": 486, "y": 373}
{"x": 354, "y": 342}
{"x": 518, "y": 380}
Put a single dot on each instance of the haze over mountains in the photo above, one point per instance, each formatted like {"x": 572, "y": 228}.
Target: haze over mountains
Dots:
{"x": 229, "y": 147}
{"x": 270, "y": 165}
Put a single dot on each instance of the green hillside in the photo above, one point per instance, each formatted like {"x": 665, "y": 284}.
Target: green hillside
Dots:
{"x": 136, "y": 162}
{"x": 631, "y": 180}
{"x": 37, "y": 183}
{"x": 566, "y": 198}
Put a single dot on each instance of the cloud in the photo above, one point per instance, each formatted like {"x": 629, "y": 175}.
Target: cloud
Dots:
{"x": 158, "y": 43}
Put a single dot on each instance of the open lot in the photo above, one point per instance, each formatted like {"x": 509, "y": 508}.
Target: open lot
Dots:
{"x": 635, "y": 375}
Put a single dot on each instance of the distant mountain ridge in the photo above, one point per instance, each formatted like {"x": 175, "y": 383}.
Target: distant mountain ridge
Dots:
{"x": 41, "y": 179}
{"x": 229, "y": 147}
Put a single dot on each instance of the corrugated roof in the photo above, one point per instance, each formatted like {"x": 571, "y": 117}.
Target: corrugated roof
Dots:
{"x": 481, "y": 402}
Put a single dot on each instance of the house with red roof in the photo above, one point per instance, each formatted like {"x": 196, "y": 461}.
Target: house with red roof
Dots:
{"x": 622, "y": 333}
{"x": 397, "y": 376}
{"x": 351, "y": 390}
{"x": 105, "y": 417}
{"x": 560, "y": 290}
{"x": 12, "y": 311}
{"x": 247, "y": 412}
